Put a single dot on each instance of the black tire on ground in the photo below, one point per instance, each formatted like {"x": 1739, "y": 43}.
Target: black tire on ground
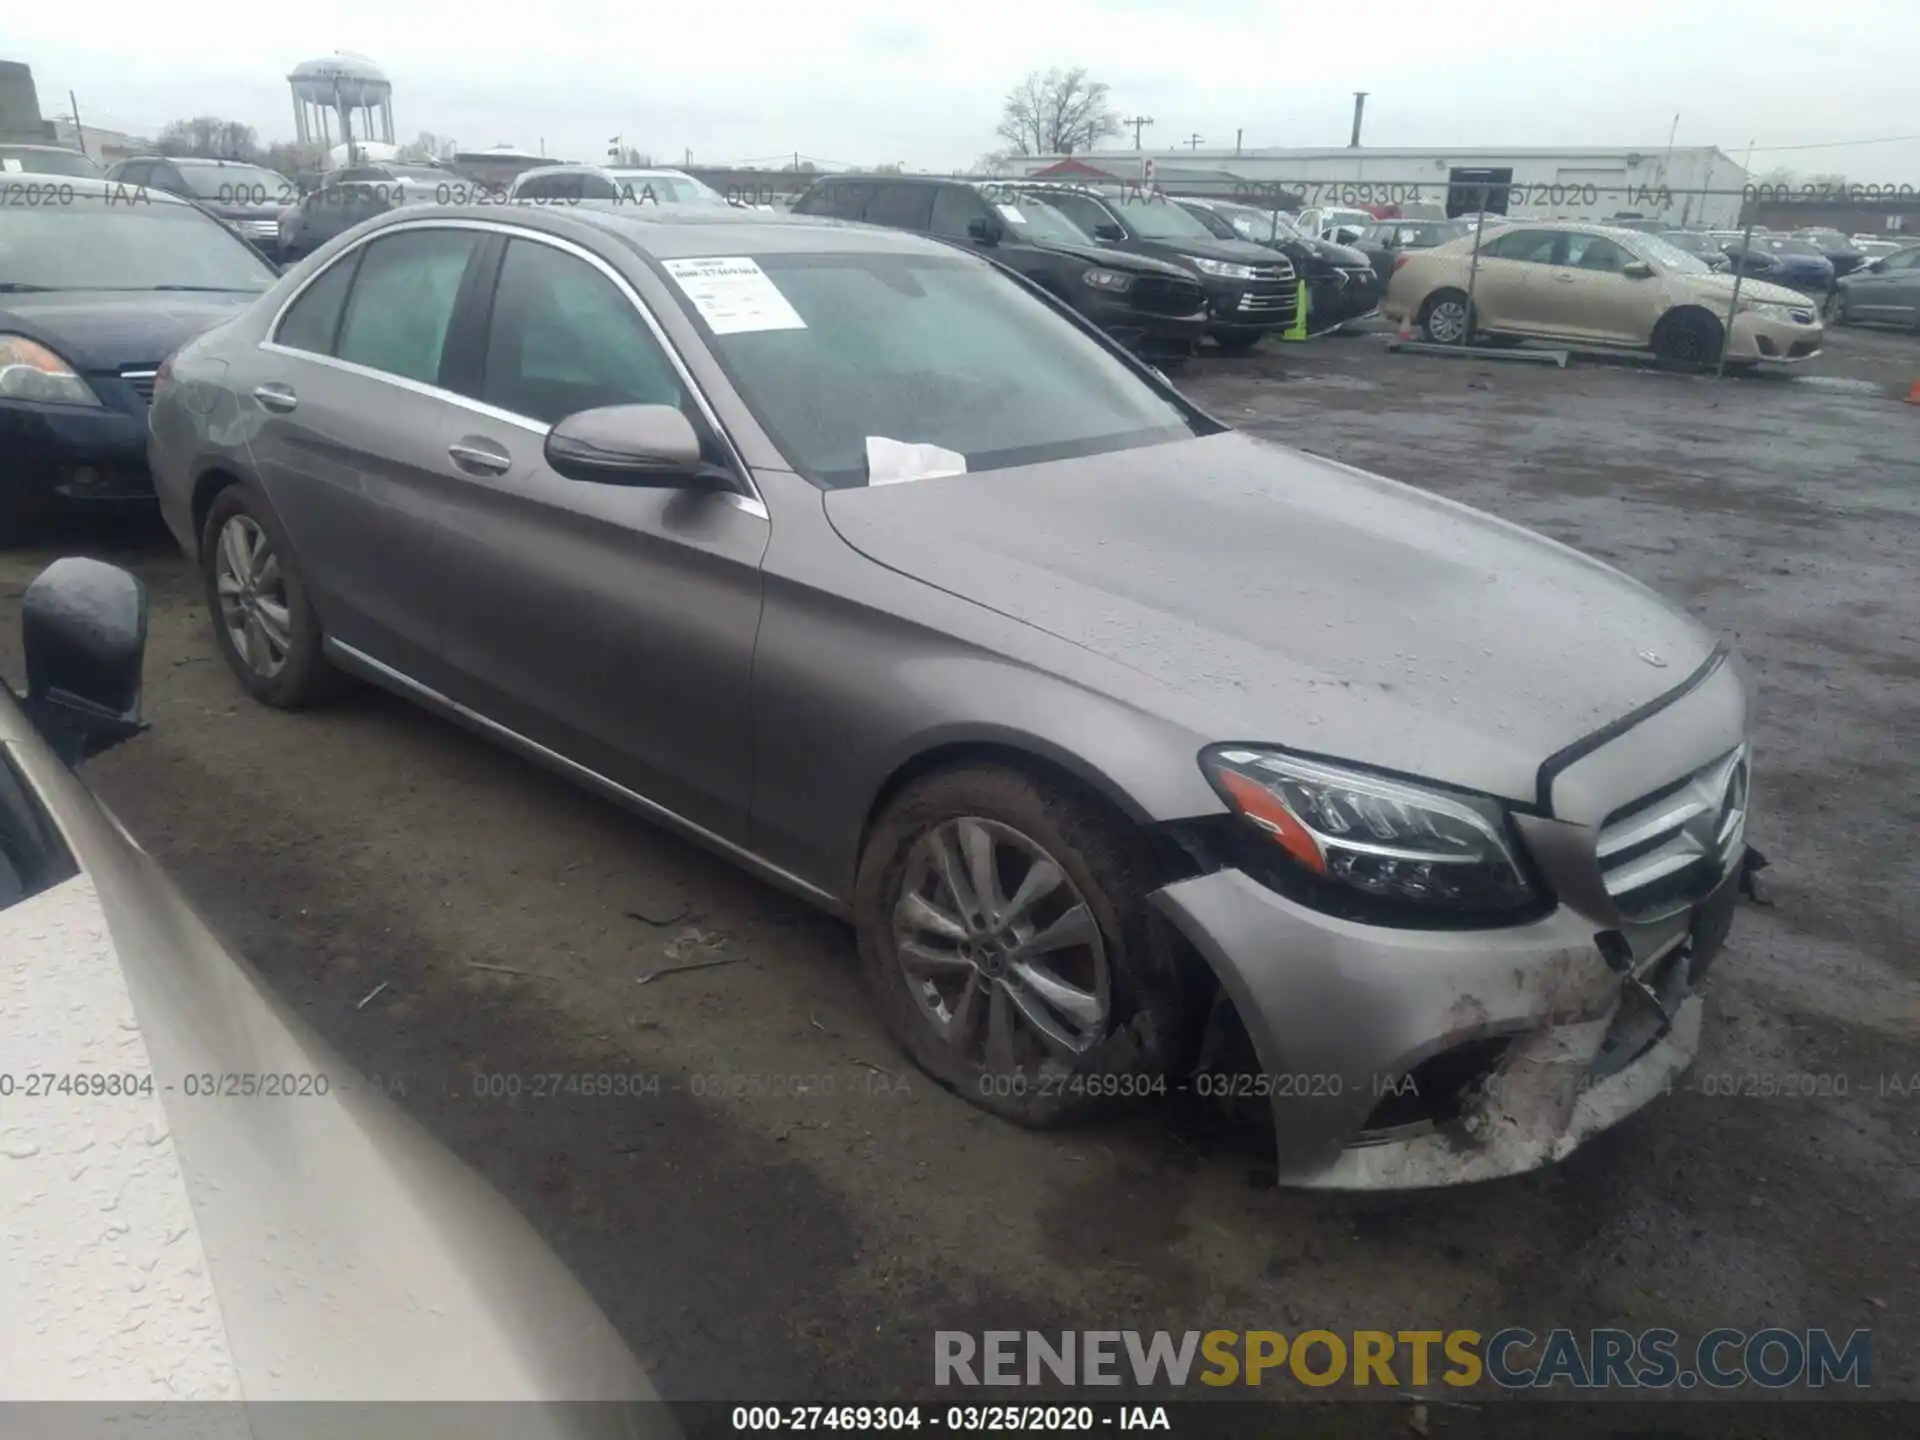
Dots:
{"x": 1237, "y": 342}
{"x": 1432, "y": 303}
{"x": 1688, "y": 337}
{"x": 305, "y": 678}
{"x": 1152, "y": 1001}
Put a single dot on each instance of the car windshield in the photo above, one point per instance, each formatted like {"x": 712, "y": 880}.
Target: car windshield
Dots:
{"x": 1158, "y": 218}
{"x": 1259, "y": 226}
{"x": 36, "y": 160}
{"x": 237, "y": 184}
{"x": 1788, "y": 245}
{"x": 833, "y": 351}
{"x": 1668, "y": 256}
{"x": 1034, "y": 219}
{"x": 109, "y": 243}
{"x": 1828, "y": 240}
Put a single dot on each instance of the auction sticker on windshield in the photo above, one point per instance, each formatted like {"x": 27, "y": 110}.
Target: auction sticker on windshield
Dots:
{"x": 734, "y": 295}
{"x": 1012, "y": 212}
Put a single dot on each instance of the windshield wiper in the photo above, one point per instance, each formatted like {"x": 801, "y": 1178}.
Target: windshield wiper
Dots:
{"x": 207, "y": 289}
{"x": 21, "y": 287}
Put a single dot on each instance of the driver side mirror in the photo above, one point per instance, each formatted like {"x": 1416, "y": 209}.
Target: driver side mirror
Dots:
{"x": 1637, "y": 270}
{"x": 1876, "y": 265}
{"x": 83, "y": 628}
{"x": 1108, "y": 234}
{"x": 647, "y": 445}
{"x": 985, "y": 229}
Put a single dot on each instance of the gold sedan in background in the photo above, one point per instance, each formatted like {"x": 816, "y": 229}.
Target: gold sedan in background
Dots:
{"x": 1598, "y": 286}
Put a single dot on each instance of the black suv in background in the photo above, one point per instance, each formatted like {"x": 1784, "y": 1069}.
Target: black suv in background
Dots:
{"x": 1342, "y": 284}
{"x": 247, "y": 197}
{"x": 1251, "y": 292}
{"x": 1156, "y": 310}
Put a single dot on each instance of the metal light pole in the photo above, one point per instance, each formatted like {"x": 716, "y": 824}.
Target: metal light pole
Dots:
{"x": 1359, "y": 109}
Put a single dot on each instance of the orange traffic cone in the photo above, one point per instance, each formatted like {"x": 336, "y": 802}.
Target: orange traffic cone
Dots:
{"x": 1913, "y": 393}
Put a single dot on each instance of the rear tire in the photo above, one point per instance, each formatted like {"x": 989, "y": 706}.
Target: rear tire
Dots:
{"x": 1111, "y": 1001}
{"x": 1446, "y": 318}
{"x": 1688, "y": 339}
{"x": 263, "y": 623}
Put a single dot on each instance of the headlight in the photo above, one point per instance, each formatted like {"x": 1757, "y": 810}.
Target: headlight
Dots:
{"x": 30, "y": 371}
{"x": 1388, "y": 839}
{"x": 1221, "y": 268}
{"x": 1112, "y": 280}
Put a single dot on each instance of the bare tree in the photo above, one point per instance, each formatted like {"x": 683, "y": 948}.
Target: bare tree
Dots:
{"x": 211, "y": 138}
{"x": 994, "y": 162}
{"x": 1057, "y": 113}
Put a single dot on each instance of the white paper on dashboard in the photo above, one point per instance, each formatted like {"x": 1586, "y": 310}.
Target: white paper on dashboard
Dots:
{"x": 12, "y": 165}
{"x": 891, "y": 461}
{"x": 734, "y": 295}
{"x": 1012, "y": 212}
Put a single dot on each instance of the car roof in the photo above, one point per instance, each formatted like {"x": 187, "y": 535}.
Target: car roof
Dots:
{"x": 616, "y": 172}
{"x": 667, "y": 232}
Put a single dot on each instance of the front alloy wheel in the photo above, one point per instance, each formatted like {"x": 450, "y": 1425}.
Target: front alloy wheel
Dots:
{"x": 1000, "y": 948}
{"x": 254, "y": 608}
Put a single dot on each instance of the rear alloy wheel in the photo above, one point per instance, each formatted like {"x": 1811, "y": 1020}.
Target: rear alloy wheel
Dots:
{"x": 1003, "y": 938}
{"x": 1691, "y": 338}
{"x": 1445, "y": 319}
{"x": 266, "y": 630}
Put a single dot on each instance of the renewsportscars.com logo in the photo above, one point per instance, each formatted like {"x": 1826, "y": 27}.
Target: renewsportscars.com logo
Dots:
{"x": 1513, "y": 1358}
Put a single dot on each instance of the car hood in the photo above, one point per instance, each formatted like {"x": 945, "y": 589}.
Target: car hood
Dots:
{"x": 102, "y": 330}
{"x": 1720, "y": 287}
{"x": 1112, "y": 259}
{"x": 184, "y": 1245}
{"x": 1283, "y": 598}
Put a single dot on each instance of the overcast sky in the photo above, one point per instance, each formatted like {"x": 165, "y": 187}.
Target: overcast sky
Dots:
{"x": 863, "y": 82}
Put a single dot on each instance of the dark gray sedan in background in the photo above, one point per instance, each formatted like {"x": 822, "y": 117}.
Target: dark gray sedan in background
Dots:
{"x": 1140, "y": 753}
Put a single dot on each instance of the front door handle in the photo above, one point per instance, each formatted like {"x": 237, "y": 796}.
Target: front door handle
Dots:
{"x": 478, "y": 456}
{"x": 276, "y": 397}
{"x": 1563, "y": 279}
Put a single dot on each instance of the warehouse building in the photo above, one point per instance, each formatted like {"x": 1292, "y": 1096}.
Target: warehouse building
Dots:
{"x": 1696, "y": 185}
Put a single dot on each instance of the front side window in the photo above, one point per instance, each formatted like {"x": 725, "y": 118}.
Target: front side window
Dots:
{"x": 954, "y": 208}
{"x": 564, "y": 338}
{"x": 1087, "y": 213}
{"x": 125, "y": 239}
{"x": 936, "y": 349}
{"x": 402, "y": 302}
{"x": 1594, "y": 252}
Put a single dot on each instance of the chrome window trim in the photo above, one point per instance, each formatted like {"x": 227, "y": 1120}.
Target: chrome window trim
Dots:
{"x": 525, "y": 422}
{"x": 379, "y": 670}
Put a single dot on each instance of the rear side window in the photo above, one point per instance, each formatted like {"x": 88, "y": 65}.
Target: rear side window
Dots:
{"x": 564, "y": 338}
{"x": 402, "y": 302}
{"x": 904, "y": 207}
{"x": 314, "y": 319}
{"x": 1533, "y": 247}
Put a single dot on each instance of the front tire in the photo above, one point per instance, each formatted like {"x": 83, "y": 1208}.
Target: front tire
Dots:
{"x": 1005, "y": 942}
{"x": 263, "y": 623}
{"x": 1689, "y": 339}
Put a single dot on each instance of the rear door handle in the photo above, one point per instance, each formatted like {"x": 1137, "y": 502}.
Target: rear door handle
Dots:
{"x": 276, "y": 397}
{"x": 479, "y": 456}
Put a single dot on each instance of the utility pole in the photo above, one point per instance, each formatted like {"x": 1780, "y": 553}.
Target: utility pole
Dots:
{"x": 1359, "y": 108}
{"x": 689, "y": 160}
{"x": 1193, "y": 141}
{"x": 79, "y": 135}
{"x": 1238, "y": 136}
{"x": 1139, "y": 123}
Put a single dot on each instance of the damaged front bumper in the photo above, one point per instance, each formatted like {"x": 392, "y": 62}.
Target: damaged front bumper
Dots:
{"x": 1407, "y": 1059}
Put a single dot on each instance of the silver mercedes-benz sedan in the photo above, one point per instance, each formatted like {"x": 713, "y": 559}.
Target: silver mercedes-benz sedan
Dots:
{"x": 1141, "y": 754}
{"x": 200, "y": 1200}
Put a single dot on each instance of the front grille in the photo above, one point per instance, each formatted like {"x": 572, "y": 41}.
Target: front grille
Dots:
{"x": 1668, "y": 850}
{"x": 1159, "y": 295}
{"x": 141, "y": 381}
{"x": 1266, "y": 302}
{"x": 1280, "y": 271}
